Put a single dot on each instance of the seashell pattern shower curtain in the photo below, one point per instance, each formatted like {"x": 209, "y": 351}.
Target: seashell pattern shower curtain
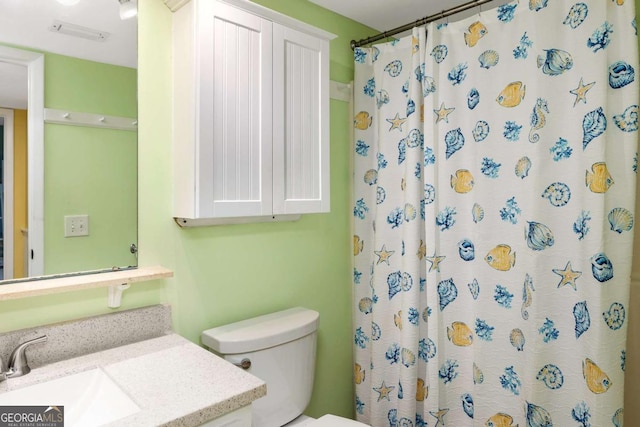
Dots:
{"x": 494, "y": 192}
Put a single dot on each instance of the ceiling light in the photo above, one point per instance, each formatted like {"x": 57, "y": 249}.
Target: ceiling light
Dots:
{"x": 68, "y": 2}
{"x": 78, "y": 31}
{"x": 128, "y": 8}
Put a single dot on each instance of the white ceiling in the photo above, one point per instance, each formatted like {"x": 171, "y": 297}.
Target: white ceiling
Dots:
{"x": 26, "y": 23}
{"x": 384, "y": 15}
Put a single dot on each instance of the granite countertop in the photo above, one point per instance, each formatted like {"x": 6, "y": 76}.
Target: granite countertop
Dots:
{"x": 172, "y": 380}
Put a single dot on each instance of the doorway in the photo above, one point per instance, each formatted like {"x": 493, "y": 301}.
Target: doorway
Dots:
{"x": 6, "y": 194}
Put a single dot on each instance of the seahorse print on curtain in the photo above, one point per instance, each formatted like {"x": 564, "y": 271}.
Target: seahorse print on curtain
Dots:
{"x": 494, "y": 189}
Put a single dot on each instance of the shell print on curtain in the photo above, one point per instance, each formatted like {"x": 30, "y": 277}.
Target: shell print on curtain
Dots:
{"x": 493, "y": 205}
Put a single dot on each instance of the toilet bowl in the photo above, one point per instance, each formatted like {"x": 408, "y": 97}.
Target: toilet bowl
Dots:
{"x": 280, "y": 349}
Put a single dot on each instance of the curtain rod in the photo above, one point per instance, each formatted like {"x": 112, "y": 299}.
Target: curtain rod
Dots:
{"x": 444, "y": 14}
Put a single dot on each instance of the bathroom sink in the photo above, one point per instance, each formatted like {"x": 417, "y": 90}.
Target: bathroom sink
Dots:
{"x": 89, "y": 398}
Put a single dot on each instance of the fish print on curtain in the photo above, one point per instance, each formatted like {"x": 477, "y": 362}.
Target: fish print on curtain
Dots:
{"x": 494, "y": 210}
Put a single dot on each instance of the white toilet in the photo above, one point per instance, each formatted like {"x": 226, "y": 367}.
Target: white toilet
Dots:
{"x": 281, "y": 350}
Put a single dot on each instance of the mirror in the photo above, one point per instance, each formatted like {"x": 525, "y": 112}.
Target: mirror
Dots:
{"x": 68, "y": 163}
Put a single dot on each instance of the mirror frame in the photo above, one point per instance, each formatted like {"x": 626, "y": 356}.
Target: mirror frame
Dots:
{"x": 34, "y": 62}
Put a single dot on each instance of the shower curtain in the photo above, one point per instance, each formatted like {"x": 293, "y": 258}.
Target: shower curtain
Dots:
{"x": 495, "y": 167}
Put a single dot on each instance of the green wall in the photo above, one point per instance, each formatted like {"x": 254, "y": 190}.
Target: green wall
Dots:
{"x": 228, "y": 273}
{"x": 90, "y": 171}
{"x": 89, "y": 86}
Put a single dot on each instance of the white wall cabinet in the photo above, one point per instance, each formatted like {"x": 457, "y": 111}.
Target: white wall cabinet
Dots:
{"x": 251, "y": 93}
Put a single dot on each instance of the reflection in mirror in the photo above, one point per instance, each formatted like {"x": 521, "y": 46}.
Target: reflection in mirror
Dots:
{"x": 77, "y": 175}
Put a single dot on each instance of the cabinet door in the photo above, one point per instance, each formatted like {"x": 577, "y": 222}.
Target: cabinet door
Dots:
{"x": 238, "y": 418}
{"x": 234, "y": 123}
{"x": 301, "y": 122}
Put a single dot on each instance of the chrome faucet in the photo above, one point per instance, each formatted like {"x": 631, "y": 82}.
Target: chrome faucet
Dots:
{"x": 18, "y": 365}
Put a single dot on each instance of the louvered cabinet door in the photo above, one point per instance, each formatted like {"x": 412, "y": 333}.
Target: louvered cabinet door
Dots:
{"x": 301, "y": 122}
{"x": 234, "y": 124}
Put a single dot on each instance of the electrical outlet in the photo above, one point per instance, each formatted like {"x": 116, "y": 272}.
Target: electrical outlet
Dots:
{"x": 76, "y": 225}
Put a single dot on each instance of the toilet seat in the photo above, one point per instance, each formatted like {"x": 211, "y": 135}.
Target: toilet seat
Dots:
{"x": 334, "y": 421}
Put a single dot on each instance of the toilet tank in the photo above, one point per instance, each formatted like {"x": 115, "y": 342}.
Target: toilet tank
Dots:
{"x": 282, "y": 348}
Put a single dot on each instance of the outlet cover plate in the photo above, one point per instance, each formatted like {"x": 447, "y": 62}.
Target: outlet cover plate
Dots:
{"x": 76, "y": 225}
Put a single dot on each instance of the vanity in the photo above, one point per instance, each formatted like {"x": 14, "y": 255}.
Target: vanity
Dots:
{"x": 129, "y": 369}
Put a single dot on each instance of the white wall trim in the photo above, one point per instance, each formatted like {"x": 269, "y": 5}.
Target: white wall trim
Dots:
{"x": 340, "y": 91}
{"x": 74, "y": 118}
{"x": 7, "y": 182}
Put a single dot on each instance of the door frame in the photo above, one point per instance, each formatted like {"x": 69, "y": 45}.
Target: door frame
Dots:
{"x": 7, "y": 198}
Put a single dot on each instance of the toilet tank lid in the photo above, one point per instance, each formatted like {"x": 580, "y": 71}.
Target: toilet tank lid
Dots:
{"x": 261, "y": 332}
